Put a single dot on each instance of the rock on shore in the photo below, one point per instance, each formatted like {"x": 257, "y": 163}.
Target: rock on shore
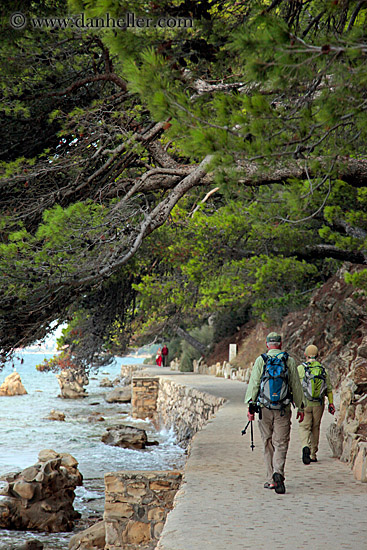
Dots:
{"x": 72, "y": 384}
{"x": 127, "y": 437}
{"x": 119, "y": 395}
{"x": 12, "y": 385}
{"x": 40, "y": 497}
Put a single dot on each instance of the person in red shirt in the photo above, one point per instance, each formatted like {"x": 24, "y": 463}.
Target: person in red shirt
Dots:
{"x": 165, "y": 355}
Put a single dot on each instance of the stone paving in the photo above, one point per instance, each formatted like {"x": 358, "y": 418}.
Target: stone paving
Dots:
{"x": 222, "y": 503}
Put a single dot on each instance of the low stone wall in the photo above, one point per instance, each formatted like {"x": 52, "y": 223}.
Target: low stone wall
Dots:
{"x": 171, "y": 405}
{"x": 137, "y": 502}
{"x": 144, "y": 396}
{"x": 223, "y": 370}
{"x": 184, "y": 409}
{"x": 136, "y": 506}
{"x": 128, "y": 371}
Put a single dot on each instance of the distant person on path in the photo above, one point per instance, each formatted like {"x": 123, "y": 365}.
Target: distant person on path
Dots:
{"x": 165, "y": 355}
{"x": 274, "y": 384}
{"x": 316, "y": 386}
{"x": 158, "y": 357}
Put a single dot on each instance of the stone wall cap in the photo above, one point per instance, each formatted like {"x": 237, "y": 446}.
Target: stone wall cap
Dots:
{"x": 145, "y": 377}
{"x": 144, "y": 473}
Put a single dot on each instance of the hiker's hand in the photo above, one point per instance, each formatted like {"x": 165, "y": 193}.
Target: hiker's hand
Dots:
{"x": 331, "y": 408}
{"x": 252, "y": 409}
{"x": 300, "y": 416}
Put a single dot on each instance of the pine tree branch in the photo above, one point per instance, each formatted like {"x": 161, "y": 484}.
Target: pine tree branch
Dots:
{"x": 106, "y": 77}
{"x": 322, "y": 251}
{"x": 151, "y": 221}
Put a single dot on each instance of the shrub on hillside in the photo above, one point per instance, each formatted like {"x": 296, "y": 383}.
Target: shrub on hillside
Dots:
{"x": 189, "y": 353}
{"x": 226, "y": 322}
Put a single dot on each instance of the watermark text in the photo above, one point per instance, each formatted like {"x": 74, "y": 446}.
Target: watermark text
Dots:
{"x": 130, "y": 21}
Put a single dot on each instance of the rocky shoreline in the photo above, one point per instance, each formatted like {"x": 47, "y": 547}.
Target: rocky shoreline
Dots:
{"x": 28, "y": 486}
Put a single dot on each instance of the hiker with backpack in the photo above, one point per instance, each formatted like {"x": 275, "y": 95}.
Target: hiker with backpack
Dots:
{"x": 274, "y": 384}
{"x": 316, "y": 386}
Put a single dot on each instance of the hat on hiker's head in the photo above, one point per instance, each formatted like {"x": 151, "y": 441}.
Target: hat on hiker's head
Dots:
{"x": 311, "y": 351}
{"x": 273, "y": 337}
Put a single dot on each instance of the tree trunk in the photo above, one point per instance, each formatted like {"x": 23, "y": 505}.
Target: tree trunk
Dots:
{"x": 192, "y": 341}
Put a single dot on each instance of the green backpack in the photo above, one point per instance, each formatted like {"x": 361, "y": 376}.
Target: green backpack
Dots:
{"x": 314, "y": 381}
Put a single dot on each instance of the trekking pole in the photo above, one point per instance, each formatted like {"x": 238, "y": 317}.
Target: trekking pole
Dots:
{"x": 252, "y": 433}
{"x": 252, "y": 437}
{"x": 256, "y": 408}
{"x": 245, "y": 428}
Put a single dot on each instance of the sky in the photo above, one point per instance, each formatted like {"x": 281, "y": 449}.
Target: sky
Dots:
{"x": 47, "y": 345}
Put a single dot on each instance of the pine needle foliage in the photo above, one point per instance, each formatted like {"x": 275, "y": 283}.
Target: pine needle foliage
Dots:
{"x": 192, "y": 169}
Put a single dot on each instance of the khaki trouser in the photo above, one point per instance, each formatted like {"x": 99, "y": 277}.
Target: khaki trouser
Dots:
{"x": 275, "y": 433}
{"x": 309, "y": 429}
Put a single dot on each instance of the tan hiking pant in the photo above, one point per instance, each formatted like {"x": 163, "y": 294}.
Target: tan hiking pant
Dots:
{"x": 275, "y": 433}
{"x": 309, "y": 429}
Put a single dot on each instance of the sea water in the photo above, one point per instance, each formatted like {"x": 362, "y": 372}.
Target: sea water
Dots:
{"x": 25, "y": 430}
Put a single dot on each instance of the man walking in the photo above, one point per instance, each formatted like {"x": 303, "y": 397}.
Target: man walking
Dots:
{"x": 316, "y": 385}
{"x": 274, "y": 384}
{"x": 165, "y": 355}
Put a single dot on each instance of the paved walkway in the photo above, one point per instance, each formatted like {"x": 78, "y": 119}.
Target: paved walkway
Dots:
{"x": 222, "y": 504}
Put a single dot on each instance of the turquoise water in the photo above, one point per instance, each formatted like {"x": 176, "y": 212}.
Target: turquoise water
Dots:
{"x": 24, "y": 431}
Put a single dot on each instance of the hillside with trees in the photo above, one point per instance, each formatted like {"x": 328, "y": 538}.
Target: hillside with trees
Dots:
{"x": 175, "y": 180}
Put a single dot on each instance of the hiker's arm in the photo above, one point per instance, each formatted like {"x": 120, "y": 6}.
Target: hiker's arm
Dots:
{"x": 329, "y": 389}
{"x": 296, "y": 387}
{"x": 254, "y": 382}
{"x": 301, "y": 371}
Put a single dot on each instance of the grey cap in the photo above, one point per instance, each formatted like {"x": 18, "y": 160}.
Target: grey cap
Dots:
{"x": 273, "y": 337}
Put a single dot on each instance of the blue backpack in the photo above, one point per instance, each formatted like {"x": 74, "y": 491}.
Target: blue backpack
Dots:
{"x": 274, "y": 392}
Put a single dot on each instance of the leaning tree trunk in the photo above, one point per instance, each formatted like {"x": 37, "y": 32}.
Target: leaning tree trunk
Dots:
{"x": 202, "y": 348}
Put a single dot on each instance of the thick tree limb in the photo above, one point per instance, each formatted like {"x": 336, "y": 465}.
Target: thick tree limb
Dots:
{"x": 355, "y": 13}
{"x": 352, "y": 171}
{"x": 315, "y": 252}
{"x": 152, "y": 221}
{"x": 192, "y": 341}
{"x": 355, "y": 232}
{"x": 322, "y": 251}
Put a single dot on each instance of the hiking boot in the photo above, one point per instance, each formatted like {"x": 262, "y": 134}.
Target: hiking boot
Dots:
{"x": 306, "y": 455}
{"x": 313, "y": 459}
{"x": 279, "y": 483}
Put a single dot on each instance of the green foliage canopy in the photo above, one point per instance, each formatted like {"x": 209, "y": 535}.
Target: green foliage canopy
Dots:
{"x": 115, "y": 139}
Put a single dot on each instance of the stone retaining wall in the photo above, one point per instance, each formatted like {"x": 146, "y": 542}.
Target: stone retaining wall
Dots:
{"x": 172, "y": 405}
{"x": 128, "y": 371}
{"x": 348, "y": 436}
{"x": 137, "y": 502}
{"x": 144, "y": 396}
{"x": 184, "y": 409}
{"x": 136, "y": 506}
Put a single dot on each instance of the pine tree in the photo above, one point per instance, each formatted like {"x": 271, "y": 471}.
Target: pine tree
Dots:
{"x": 114, "y": 138}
